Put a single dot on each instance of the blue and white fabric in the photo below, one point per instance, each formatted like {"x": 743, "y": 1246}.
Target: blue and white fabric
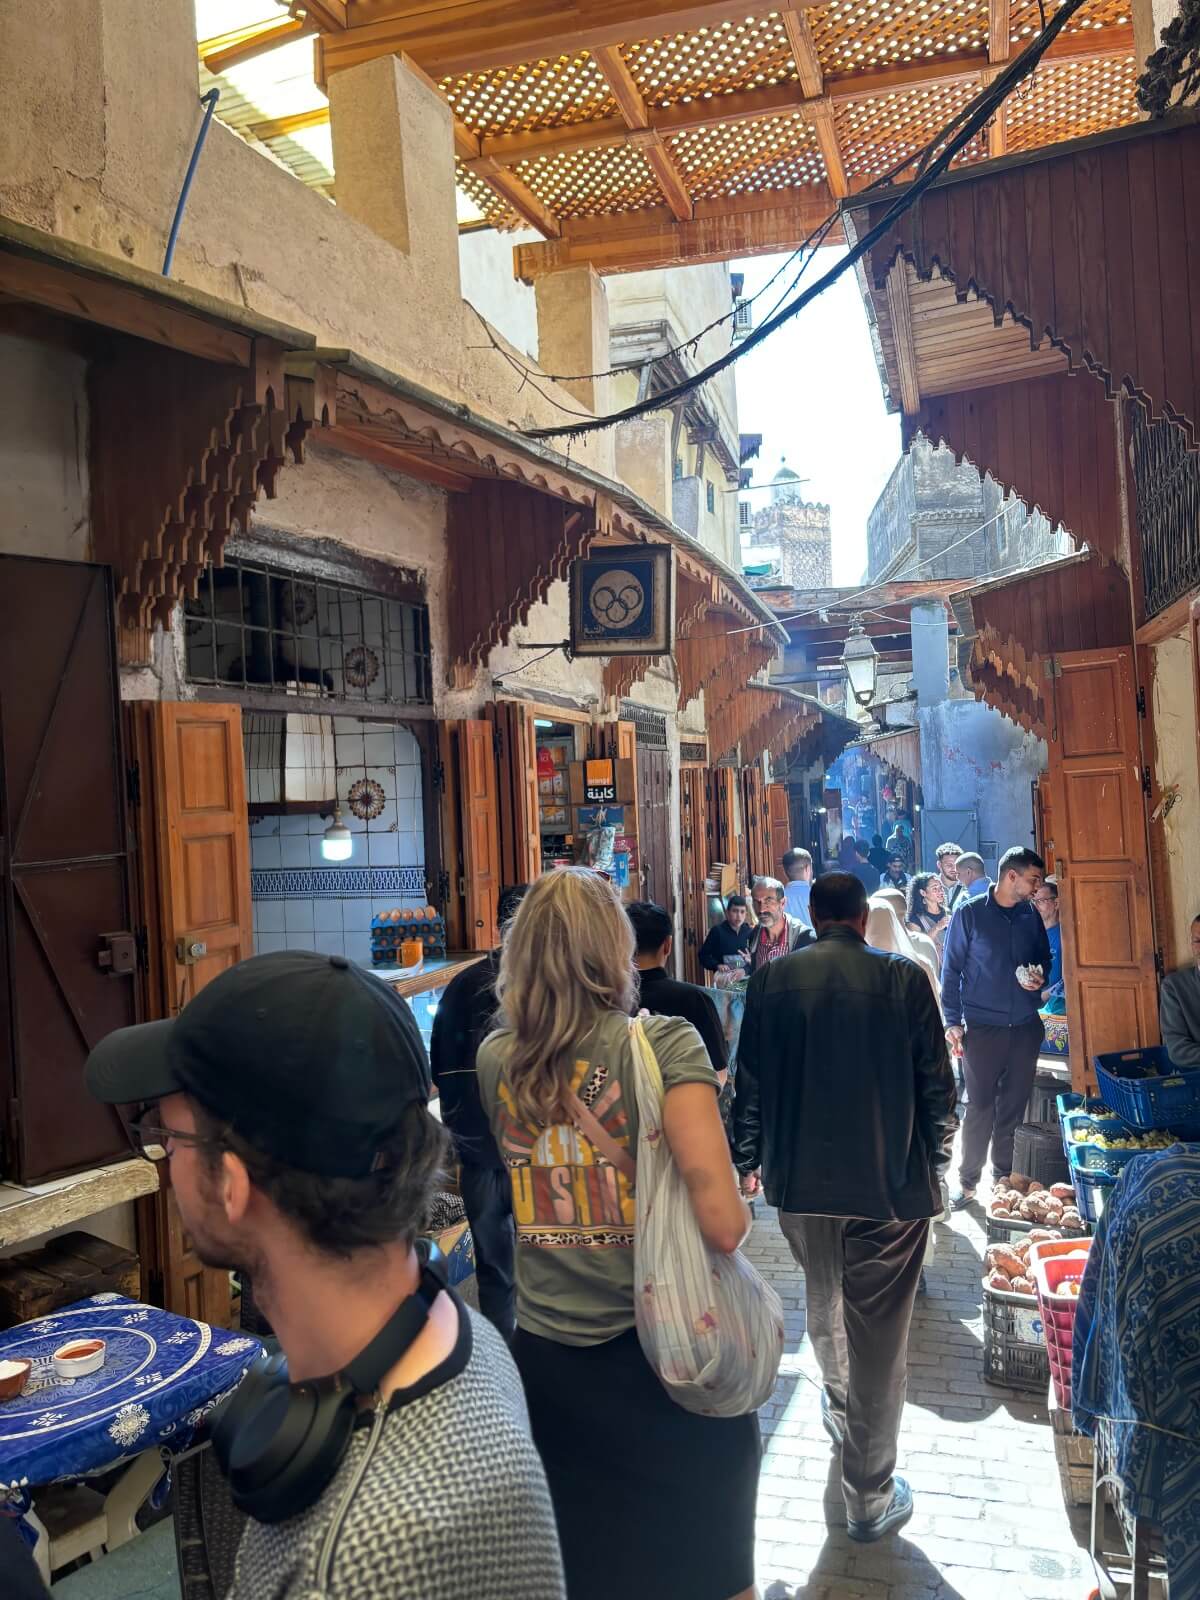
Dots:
{"x": 1137, "y": 1349}
{"x": 161, "y": 1376}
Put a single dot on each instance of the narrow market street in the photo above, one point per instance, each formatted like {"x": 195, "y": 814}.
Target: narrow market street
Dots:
{"x": 989, "y": 1518}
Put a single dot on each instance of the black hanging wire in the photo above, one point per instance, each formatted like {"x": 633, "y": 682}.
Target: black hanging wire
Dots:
{"x": 968, "y": 123}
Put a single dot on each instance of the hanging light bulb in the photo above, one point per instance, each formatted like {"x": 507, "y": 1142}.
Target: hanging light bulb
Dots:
{"x": 337, "y": 842}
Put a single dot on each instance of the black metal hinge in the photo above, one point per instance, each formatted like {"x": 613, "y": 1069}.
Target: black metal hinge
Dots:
{"x": 443, "y": 889}
{"x": 133, "y": 784}
{"x": 438, "y": 774}
{"x": 497, "y": 744}
{"x": 1141, "y": 702}
{"x": 1147, "y": 783}
{"x": 1160, "y": 966}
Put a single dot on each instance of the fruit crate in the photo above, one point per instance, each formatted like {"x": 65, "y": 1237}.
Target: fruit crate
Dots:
{"x": 1091, "y": 1187}
{"x": 1147, "y": 1090}
{"x": 1053, "y": 1265}
{"x": 1014, "y": 1350}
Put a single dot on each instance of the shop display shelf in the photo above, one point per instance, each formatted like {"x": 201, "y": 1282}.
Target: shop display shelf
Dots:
{"x": 1147, "y": 1090}
{"x": 1014, "y": 1350}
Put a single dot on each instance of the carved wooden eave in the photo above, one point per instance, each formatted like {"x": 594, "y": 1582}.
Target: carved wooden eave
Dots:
{"x": 1015, "y": 626}
{"x": 1087, "y": 244}
{"x": 1050, "y": 440}
{"x": 181, "y": 449}
{"x": 760, "y": 720}
{"x": 517, "y": 512}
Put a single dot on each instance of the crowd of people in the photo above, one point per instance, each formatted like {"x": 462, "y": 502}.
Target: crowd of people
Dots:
{"x": 292, "y": 1096}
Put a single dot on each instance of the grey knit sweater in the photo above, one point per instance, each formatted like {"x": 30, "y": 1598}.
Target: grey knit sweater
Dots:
{"x": 453, "y": 1500}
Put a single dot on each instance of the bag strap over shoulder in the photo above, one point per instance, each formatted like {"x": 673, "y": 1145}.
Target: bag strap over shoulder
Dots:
{"x": 644, "y": 1057}
{"x": 592, "y": 1128}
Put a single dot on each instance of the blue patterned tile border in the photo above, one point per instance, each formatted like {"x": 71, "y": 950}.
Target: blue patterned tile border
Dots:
{"x": 343, "y": 883}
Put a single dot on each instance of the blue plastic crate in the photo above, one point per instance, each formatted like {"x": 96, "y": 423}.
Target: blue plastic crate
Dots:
{"x": 1147, "y": 1090}
{"x": 1070, "y": 1105}
{"x": 1091, "y": 1187}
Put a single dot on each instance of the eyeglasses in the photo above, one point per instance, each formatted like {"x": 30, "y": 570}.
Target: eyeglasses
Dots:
{"x": 154, "y": 1141}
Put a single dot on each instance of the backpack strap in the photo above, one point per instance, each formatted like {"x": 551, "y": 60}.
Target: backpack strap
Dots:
{"x": 593, "y": 1129}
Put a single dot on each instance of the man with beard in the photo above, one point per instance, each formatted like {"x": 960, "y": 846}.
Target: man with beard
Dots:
{"x": 777, "y": 934}
{"x": 291, "y": 1099}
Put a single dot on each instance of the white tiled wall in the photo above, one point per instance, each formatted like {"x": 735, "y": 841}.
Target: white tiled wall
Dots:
{"x": 340, "y": 923}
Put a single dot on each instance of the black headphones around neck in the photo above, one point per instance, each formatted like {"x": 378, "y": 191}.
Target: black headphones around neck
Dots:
{"x": 279, "y": 1443}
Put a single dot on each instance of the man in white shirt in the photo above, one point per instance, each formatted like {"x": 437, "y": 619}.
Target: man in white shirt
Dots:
{"x": 798, "y": 869}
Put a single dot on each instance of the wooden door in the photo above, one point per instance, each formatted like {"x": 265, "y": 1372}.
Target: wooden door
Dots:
{"x": 480, "y": 833}
{"x": 756, "y": 819}
{"x": 724, "y": 841}
{"x": 517, "y": 792}
{"x": 693, "y": 818}
{"x": 63, "y": 865}
{"x": 194, "y": 853}
{"x": 1043, "y": 822}
{"x": 779, "y": 821}
{"x": 654, "y": 825}
{"x": 1100, "y": 840}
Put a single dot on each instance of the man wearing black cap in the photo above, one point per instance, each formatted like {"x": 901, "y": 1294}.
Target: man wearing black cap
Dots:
{"x": 292, "y": 1103}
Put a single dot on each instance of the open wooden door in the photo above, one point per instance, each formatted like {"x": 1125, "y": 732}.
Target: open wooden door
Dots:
{"x": 480, "y": 833}
{"x": 517, "y": 792}
{"x": 756, "y": 818}
{"x": 693, "y": 812}
{"x": 779, "y": 821}
{"x": 1043, "y": 822}
{"x": 194, "y": 838}
{"x": 1103, "y": 871}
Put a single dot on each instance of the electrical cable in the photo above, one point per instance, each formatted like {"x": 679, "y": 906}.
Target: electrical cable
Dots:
{"x": 209, "y": 102}
{"x": 980, "y": 111}
{"x": 499, "y": 677}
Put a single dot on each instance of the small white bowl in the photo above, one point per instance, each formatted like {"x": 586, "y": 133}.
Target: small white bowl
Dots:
{"x": 68, "y": 1366}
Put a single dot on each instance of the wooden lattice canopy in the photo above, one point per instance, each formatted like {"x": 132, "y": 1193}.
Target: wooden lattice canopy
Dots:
{"x": 640, "y": 133}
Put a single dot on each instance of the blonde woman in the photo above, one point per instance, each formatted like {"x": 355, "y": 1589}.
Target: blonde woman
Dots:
{"x": 632, "y": 1475}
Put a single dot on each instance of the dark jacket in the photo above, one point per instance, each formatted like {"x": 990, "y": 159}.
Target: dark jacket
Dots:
{"x": 463, "y": 1020}
{"x": 666, "y": 997}
{"x": 723, "y": 942}
{"x": 985, "y": 945}
{"x": 1179, "y": 1016}
{"x": 844, "y": 1093}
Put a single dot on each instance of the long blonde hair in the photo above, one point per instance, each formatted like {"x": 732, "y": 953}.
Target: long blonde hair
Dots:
{"x": 567, "y": 961}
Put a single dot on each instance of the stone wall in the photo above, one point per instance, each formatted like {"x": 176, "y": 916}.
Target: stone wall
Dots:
{"x": 803, "y": 535}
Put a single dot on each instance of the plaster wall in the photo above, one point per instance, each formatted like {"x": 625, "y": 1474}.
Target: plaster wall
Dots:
{"x": 98, "y": 155}
{"x": 1174, "y": 709}
{"x": 43, "y": 450}
{"x": 485, "y": 263}
{"x": 972, "y": 757}
{"x": 643, "y": 458}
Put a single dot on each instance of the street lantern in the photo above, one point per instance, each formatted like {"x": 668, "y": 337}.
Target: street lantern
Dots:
{"x": 861, "y": 663}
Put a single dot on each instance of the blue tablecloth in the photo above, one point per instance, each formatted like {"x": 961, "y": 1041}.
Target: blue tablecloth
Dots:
{"x": 1136, "y": 1370}
{"x": 161, "y": 1376}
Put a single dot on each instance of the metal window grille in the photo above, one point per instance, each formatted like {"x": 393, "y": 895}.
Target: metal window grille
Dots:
{"x": 710, "y": 498}
{"x": 1167, "y": 476}
{"x": 253, "y": 628}
{"x": 744, "y": 513}
{"x": 743, "y": 319}
{"x": 650, "y": 727}
{"x": 693, "y": 752}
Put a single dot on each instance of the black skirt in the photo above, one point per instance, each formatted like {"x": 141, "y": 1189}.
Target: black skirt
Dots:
{"x": 652, "y": 1502}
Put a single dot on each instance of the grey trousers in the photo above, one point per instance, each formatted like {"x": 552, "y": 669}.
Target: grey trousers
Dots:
{"x": 860, "y": 1282}
{"x": 1000, "y": 1065}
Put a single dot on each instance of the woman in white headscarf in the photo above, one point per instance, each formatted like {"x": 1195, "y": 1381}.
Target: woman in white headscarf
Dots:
{"x": 886, "y": 931}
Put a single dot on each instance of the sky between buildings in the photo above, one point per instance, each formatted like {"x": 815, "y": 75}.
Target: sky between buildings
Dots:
{"x": 812, "y": 390}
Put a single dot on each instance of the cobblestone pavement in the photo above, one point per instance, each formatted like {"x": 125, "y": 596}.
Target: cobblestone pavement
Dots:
{"x": 989, "y": 1520}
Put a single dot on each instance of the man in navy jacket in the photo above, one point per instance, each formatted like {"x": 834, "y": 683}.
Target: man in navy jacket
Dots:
{"x": 993, "y": 1013}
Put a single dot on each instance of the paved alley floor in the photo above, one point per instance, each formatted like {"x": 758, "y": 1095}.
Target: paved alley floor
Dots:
{"x": 989, "y": 1521}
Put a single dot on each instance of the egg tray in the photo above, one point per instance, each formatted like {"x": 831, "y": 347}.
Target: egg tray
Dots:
{"x": 388, "y": 938}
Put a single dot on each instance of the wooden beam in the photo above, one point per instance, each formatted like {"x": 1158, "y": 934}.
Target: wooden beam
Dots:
{"x": 517, "y": 194}
{"x": 999, "y": 30}
{"x": 632, "y": 241}
{"x": 413, "y": 463}
{"x": 818, "y": 109}
{"x": 633, "y": 111}
{"x": 902, "y": 335}
{"x": 329, "y": 15}
{"x": 284, "y": 127}
{"x": 227, "y": 50}
{"x": 128, "y": 310}
{"x": 820, "y": 115}
{"x": 476, "y": 35}
{"x": 804, "y": 52}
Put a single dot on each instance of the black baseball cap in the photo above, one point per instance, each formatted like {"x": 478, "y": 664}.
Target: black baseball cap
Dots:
{"x": 310, "y": 1059}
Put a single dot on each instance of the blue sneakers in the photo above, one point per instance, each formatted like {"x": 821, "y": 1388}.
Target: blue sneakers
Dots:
{"x": 896, "y": 1515}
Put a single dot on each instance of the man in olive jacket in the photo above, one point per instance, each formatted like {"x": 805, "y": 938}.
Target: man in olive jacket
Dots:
{"x": 845, "y": 1101}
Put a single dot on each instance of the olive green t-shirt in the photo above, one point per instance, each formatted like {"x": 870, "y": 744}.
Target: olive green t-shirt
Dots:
{"x": 574, "y": 1211}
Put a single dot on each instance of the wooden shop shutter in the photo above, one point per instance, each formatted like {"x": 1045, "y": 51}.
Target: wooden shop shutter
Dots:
{"x": 693, "y": 811}
{"x": 480, "y": 832}
{"x": 517, "y": 792}
{"x": 63, "y": 864}
{"x": 1043, "y": 821}
{"x": 1100, "y": 840}
{"x": 779, "y": 821}
{"x": 194, "y": 835}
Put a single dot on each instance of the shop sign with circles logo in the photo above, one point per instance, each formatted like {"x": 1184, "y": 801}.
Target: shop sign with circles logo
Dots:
{"x": 623, "y": 602}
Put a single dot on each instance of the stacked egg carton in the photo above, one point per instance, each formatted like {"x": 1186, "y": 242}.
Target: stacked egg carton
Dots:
{"x": 390, "y": 929}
